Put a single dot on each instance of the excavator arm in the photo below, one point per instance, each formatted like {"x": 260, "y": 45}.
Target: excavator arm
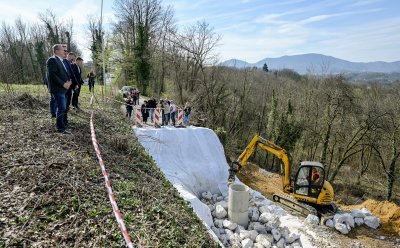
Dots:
{"x": 270, "y": 147}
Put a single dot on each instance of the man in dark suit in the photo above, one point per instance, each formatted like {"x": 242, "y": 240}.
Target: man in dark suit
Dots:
{"x": 58, "y": 82}
{"x": 77, "y": 69}
{"x": 67, "y": 64}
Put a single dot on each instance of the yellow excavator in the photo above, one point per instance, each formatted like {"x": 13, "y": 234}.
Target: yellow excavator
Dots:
{"x": 307, "y": 193}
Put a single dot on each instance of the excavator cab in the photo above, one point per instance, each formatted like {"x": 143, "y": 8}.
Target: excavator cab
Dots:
{"x": 309, "y": 179}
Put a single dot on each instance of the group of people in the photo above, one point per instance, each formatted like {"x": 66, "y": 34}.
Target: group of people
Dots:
{"x": 64, "y": 81}
{"x": 168, "y": 110}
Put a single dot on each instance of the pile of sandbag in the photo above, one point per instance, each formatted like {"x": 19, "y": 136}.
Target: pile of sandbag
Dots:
{"x": 264, "y": 230}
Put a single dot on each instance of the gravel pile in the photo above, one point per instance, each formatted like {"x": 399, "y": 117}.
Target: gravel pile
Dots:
{"x": 265, "y": 228}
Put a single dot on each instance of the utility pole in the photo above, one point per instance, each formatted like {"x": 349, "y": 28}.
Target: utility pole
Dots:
{"x": 102, "y": 51}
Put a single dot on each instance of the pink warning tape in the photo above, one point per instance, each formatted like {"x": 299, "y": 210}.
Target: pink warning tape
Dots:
{"x": 111, "y": 196}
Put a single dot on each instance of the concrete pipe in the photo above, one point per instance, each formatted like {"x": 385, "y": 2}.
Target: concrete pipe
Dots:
{"x": 238, "y": 204}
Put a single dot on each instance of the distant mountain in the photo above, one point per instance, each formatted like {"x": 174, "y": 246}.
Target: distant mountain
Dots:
{"x": 317, "y": 63}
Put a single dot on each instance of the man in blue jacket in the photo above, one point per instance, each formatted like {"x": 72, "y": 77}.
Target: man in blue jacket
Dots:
{"x": 58, "y": 82}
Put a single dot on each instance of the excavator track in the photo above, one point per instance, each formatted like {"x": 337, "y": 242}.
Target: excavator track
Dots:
{"x": 323, "y": 212}
{"x": 294, "y": 204}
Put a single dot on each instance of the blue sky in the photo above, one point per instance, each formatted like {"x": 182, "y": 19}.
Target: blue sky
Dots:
{"x": 360, "y": 31}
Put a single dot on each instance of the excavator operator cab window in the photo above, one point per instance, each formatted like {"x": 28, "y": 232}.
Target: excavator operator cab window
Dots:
{"x": 309, "y": 180}
{"x": 302, "y": 181}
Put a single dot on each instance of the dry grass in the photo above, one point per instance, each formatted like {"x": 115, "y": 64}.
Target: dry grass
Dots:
{"x": 52, "y": 191}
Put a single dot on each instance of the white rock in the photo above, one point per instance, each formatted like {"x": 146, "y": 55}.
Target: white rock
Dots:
{"x": 329, "y": 223}
{"x": 206, "y": 195}
{"x": 297, "y": 245}
{"x": 260, "y": 228}
{"x": 372, "y": 222}
{"x": 254, "y": 214}
{"x": 218, "y": 223}
{"x": 268, "y": 228}
{"x": 275, "y": 223}
{"x": 276, "y": 234}
{"x": 214, "y": 197}
{"x": 366, "y": 212}
{"x": 244, "y": 234}
{"x": 258, "y": 245}
{"x": 253, "y": 235}
{"x": 267, "y": 202}
{"x": 281, "y": 243}
{"x": 229, "y": 224}
{"x": 216, "y": 231}
{"x": 266, "y": 217}
{"x": 224, "y": 240}
{"x": 250, "y": 211}
{"x": 345, "y": 218}
{"x": 221, "y": 230}
{"x": 239, "y": 228}
{"x": 312, "y": 219}
{"x": 290, "y": 238}
{"x": 214, "y": 214}
{"x": 224, "y": 204}
{"x": 359, "y": 221}
{"x": 228, "y": 234}
{"x": 220, "y": 212}
{"x": 235, "y": 240}
{"x": 284, "y": 231}
{"x": 265, "y": 240}
{"x": 220, "y": 198}
{"x": 342, "y": 228}
{"x": 211, "y": 207}
{"x": 264, "y": 209}
{"x": 247, "y": 243}
{"x": 276, "y": 210}
{"x": 357, "y": 213}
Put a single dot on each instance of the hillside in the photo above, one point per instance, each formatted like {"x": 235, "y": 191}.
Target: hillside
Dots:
{"x": 317, "y": 63}
{"x": 52, "y": 189}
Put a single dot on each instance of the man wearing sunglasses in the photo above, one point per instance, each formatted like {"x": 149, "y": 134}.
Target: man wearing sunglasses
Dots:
{"x": 58, "y": 83}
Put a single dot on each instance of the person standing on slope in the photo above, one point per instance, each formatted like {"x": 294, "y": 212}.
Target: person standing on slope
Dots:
{"x": 59, "y": 82}
{"x": 186, "y": 114}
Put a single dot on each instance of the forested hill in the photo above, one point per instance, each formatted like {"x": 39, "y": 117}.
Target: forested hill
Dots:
{"x": 317, "y": 63}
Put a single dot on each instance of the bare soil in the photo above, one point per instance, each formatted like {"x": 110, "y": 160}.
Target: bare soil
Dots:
{"x": 387, "y": 236}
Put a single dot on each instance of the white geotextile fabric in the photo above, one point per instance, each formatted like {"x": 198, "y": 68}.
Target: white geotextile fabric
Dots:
{"x": 192, "y": 159}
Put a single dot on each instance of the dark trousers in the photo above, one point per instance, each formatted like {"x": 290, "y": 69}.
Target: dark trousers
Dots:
{"x": 173, "y": 118}
{"x": 166, "y": 118}
{"x": 129, "y": 111}
{"x": 53, "y": 106}
{"x": 91, "y": 86}
{"x": 61, "y": 102}
{"x": 145, "y": 115}
{"x": 75, "y": 97}
{"x": 68, "y": 95}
